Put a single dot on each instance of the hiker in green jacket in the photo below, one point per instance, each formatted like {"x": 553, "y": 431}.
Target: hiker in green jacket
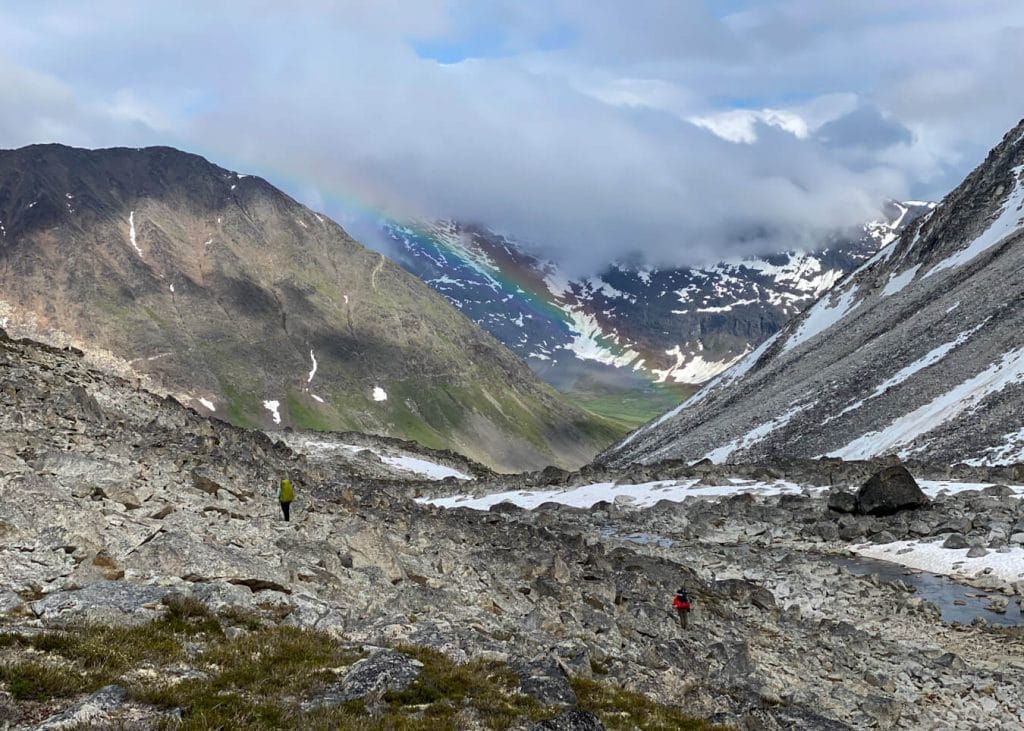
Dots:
{"x": 286, "y": 493}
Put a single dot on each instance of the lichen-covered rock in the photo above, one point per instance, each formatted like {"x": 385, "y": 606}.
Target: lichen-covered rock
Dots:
{"x": 369, "y": 679}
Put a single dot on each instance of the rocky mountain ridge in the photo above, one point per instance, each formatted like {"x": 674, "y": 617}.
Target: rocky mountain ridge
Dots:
{"x": 917, "y": 353}
{"x": 221, "y": 290}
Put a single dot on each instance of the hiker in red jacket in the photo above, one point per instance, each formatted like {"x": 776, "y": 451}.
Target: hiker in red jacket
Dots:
{"x": 682, "y": 606}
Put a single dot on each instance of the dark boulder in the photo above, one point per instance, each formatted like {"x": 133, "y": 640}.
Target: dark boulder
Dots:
{"x": 889, "y": 491}
{"x": 546, "y": 681}
{"x": 956, "y": 540}
{"x": 842, "y": 502}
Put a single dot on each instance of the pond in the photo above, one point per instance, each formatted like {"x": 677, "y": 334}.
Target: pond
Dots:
{"x": 957, "y": 602}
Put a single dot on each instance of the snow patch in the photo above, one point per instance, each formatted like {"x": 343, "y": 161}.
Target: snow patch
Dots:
{"x": 272, "y": 407}
{"x": 753, "y": 436}
{"x": 131, "y": 233}
{"x": 642, "y": 495}
{"x": 692, "y": 368}
{"x": 379, "y": 394}
{"x": 897, "y": 282}
{"x": 316, "y": 398}
{"x": 932, "y": 557}
{"x": 822, "y": 316}
{"x": 312, "y": 372}
{"x": 207, "y": 404}
{"x": 1011, "y": 451}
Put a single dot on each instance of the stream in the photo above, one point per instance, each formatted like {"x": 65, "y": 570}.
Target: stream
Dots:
{"x": 957, "y": 602}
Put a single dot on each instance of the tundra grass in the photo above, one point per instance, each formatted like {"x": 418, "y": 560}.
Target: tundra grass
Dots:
{"x": 259, "y": 680}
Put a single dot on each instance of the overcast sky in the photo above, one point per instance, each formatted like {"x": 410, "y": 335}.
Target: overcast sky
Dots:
{"x": 677, "y": 129}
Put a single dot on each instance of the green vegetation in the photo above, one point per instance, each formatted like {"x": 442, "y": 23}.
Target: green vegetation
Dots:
{"x": 308, "y": 417}
{"x": 261, "y": 678}
{"x": 628, "y": 409}
{"x": 622, "y": 709}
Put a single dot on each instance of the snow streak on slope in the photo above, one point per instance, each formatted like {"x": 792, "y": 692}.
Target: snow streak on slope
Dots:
{"x": 1009, "y": 222}
{"x": 753, "y": 436}
{"x": 822, "y": 316}
{"x": 964, "y": 397}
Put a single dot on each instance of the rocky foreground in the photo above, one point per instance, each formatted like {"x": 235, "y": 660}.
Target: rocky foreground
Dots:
{"x": 123, "y": 510}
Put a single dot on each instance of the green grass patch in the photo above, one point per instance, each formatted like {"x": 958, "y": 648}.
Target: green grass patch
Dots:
{"x": 260, "y": 680}
{"x": 623, "y": 710}
{"x": 308, "y": 417}
{"x": 628, "y": 409}
{"x": 29, "y": 680}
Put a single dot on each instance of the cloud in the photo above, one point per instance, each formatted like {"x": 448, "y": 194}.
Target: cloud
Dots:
{"x": 864, "y": 128}
{"x": 681, "y": 131}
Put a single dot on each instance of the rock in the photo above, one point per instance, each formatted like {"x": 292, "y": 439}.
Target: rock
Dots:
{"x": 544, "y": 680}
{"x": 977, "y": 552}
{"x": 955, "y": 540}
{"x": 842, "y": 501}
{"x": 90, "y": 712}
{"x": 570, "y": 721}
{"x": 1017, "y": 539}
{"x": 369, "y": 679}
{"x": 11, "y": 603}
{"x": 103, "y": 602}
{"x": 889, "y": 491}
{"x": 998, "y": 604}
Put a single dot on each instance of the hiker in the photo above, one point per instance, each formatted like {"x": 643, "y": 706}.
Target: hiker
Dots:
{"x": 682, "y": 606}
{"x": 286, "y": 493}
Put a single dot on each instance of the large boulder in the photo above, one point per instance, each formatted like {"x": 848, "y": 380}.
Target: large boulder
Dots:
{"x": 889, "y": 491}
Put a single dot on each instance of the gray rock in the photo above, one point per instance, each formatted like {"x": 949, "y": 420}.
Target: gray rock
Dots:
{"x": 955, "y": 540}
{"x": 546, "y": 681}
{"x": 10, "y": 603}
{"x": 369, "y": 679}
{"x": 107, "y": 602}
{"x": 842, "y": 502}
{"x": 889, "y": 491}
{"x": 977, "y": 552}
{"x": 92, "y": 711}
{"x": 570, "y": 721}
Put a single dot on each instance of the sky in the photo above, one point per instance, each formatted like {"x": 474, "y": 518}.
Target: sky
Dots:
{"x": 678, "y": 132}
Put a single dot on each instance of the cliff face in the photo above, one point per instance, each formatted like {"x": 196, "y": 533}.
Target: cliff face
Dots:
{"x": 222, "y": 290}
{"x": 918, "y": 353}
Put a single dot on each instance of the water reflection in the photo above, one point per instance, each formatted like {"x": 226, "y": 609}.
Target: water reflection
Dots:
{"x": 939, "y": 590}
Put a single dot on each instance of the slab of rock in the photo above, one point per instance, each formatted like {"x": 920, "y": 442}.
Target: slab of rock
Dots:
{"x": 92, "y": 711}
{"x": 570, "y": 721}
{"x": 104, "y": 602}
{"x": 546, "y": 681}
{"x": 889, "y": 491}
{"x": 369, "y": 679}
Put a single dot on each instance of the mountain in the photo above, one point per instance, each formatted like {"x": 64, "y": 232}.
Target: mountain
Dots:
{"x": 919, "y": 353}
{"x": 632, "y": 332}
{"x": 221, "y": 290}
